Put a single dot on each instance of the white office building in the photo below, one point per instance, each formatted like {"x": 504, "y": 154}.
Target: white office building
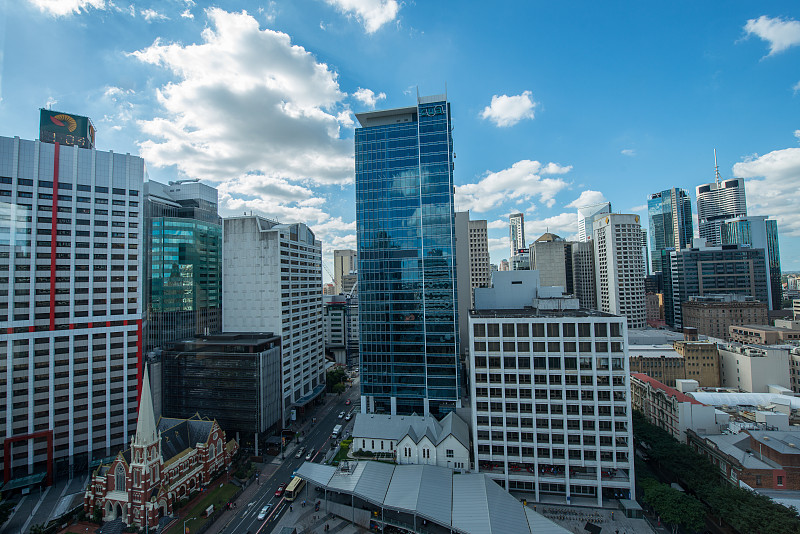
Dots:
{"x": 344, "y": 263}
{"x": 619, "y": 267}
{"x": 71, "y": 258}
{"x": 586, "y": 216}
{"x": 550, "y": 394}
{"x": 516, "y": 225}
{"x": 717, "y": 203}
{"x": 583, "y": 277}
{"x": 272, "y": 282}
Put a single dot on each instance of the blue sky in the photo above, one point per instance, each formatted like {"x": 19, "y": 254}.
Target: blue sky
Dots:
{"x": 555, "y": 105}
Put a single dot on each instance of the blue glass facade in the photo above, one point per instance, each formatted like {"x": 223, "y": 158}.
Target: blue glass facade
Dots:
{"x": 406, "y": 259}
{"x": 759, "y": 232}
{"x": 671, "y": 226}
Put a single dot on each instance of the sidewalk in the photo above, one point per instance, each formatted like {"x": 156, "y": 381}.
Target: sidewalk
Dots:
{"x": 242, "y": 500}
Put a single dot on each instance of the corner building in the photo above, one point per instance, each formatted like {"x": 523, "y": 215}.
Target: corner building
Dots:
{"x": 406, "y": 259}
{"x": 70, "y": 304}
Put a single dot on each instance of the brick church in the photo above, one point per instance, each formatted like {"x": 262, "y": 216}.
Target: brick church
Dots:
{"x": 164, "y": 464}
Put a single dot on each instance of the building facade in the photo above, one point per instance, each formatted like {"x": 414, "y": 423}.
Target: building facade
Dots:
{"x": 71, "y": 259}
{"x": 718, "y": 202}
{"x": 759, "y": 232}
{"x": 754, "y": 368}
{"x": 713, "y": 315}
{"x": 406, "y": 252}
{"x": 183, "y": 234}
{"x": 272, "y": 282}
{"x": 344, "y": 263}
{"x": 619, "y": 272}
{"x": 550, "y": 394}
{"x": 516, "y": 229}
{"x": 165, "y": 463}
{"x": 341, "y": 329}
{"x": 670, "y": 214}
{"x": 586, "y": 216}
{"x": 551, "y": 255}
{"x": 217, "y": 375}
{"x": 702, "y": 271}
{"x": 480, "y": 274}
{"x": 583, "y": 275}
{"x": 763, "y": 334}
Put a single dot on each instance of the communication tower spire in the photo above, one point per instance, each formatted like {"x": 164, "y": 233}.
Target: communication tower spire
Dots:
{"x": 716, "y": 167}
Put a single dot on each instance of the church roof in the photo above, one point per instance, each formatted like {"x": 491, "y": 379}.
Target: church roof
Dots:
{"x": 177, "y": 435}
{"x": 146, "y": 424}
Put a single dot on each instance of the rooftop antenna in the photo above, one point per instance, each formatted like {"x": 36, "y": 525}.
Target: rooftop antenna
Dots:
{"x": 716, "y": 167}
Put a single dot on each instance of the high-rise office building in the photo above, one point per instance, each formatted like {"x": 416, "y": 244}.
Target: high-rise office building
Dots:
{"x": 272, "y": 282}
{"x": 583, "y": 277}
{"x": 550, "y": 393}
{"x": 406, "y": 253}
{"x": 670, "y": 213}
{"x": 619, "y": 268}
{"x": 551, "y": 255}
{"x": 586, "y": 216}
{"x": 516, "y": 228}
{"x": 344, "y": 263}
{"x": 183, "y": 239}
{"x": 702, "y": 270}
{"x": 472, "y": 267}
{"x": 718, "y": 202}
{"x": 71, "y": 260}
{"x": 758, "y": 232}
{"x": 480, "y": 274}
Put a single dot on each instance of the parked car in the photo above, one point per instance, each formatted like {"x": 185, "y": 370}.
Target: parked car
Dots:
{"x": 341, "y": 415}
{"x": 300, "y": 452}
{"x": 280, "y": 490}
{"x": 264, "y": 511}
{"x": 310, "y": 455}
{"x": 348, "y": 417}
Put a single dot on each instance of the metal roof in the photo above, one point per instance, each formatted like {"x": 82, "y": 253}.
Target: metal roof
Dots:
{"x": 713, "y": 398}
{"x": 469, "y": 503}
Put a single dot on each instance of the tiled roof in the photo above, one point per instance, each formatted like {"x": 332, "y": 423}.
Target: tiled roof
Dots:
{"x": 671, "y": 392}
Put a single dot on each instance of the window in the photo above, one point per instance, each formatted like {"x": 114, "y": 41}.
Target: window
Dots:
{"x": 119, "y": 478}
{"x": 449, "y": 454}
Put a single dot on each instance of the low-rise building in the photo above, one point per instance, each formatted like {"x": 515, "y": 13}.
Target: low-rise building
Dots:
{"x": 754, "y": 368}
{"x": 701, "y": 361}
{"x": 693, "y": 360}
{"x": 759, "y": 459}
{"x": 164, "y": 464}
{"x": 713, "y": 315}
{"x": 414, "y": 439}
{"x": 670, "y": 409}
{"x": 764, "y": 334}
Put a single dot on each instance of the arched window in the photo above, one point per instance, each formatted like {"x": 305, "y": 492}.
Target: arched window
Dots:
{"x": 211, "y": 451}
{"x": 219, "y": 444}
{"x": 119, "y": 478}
{"x": 136, "y": 478}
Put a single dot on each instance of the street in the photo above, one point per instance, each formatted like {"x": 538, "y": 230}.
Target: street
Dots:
{"x": 317, "y": 438}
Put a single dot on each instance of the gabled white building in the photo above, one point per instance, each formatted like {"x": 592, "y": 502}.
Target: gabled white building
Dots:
{"x": 414, "y": 439}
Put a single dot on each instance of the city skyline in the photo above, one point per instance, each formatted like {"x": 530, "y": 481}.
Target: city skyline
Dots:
{"x": 178, "y": 84}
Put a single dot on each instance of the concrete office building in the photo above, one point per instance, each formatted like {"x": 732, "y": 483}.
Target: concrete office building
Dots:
{"x": 407, "y": 260}
{"x": 550, "y": 393}
{"x": 670, "y": 214}
{"x": 272, "y": 282}
{"x": 516, "y": 228}
{"x": 713, "y": 315}
{"x": 71, "y": 255}
{"x": 341, "y": 329}
{"x": 682, "y": 360}
{"x": 183, "y": 234}
{"x": 619, "y": 269}
{"x": 718, "y": 202}
{"x": 759, "y": 232}
{"x": 551, "y": 255}
{"x": 344, "y": 263}
{"x": 754, "y": 368}
{"x": 480, "y": 274}
{"x": 702, "y": 270}
{"x": 586, "y": 216}
{"x": 765, "y": 334}
{"x": 583, "y": 276}
{"x": 220, "y": 374}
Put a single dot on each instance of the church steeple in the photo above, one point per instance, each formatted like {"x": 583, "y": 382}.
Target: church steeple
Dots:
{"x": 146, "y": 432}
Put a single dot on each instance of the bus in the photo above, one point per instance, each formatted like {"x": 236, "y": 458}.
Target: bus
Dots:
{"x": 293, "y": 489}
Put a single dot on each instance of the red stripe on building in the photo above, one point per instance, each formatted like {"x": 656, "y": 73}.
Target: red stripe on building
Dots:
{"x": 53, "y": 233}
{"x": 139, "y": 359}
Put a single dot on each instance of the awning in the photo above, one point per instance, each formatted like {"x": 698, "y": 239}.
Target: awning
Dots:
{"x": 24, "y": 482}
{"x": 305, "y": 399}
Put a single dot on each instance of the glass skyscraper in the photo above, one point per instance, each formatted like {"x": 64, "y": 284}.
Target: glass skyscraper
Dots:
{"x": 758, "y": 232}
{"x": 406, "y": 259}
{"x": 670, "y": 213}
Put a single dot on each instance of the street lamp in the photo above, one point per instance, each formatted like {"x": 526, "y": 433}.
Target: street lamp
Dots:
{"x": 184, "y": 524}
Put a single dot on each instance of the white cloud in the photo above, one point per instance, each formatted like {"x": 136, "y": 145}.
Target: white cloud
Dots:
{"x": 796, "y": 87}
{"x": 559, "y": 224}
{"x": 797, "y": 134}
{"x": 509, "y": 110}
{"x": 368, "y": 97}
{"x": 772, "y": 187}
{"x": 521, "y": 182}
{"x": 371, "y": 13}
{"x": 778, "y": 32}
{"x": 640, "y": 208}
{"x": 246, "y": 102}
{"x": 628, "y": 152}
{"x": 50, "y": 102}
{"x": 60, "y": 8}
{"x": 587, "y": 198}
{"x": 151, "y": 14}
{"x": 497, "y": 225}
{"x": 187, "y": 14}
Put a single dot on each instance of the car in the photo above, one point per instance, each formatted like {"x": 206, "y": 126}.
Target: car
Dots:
{"x": 310, "y": 455}
{"x": 347, "y": 402}
{"x": 341, "y": 415}
{"x": 280, "y": 490}
{"x": 300, "y": 452}
{"x": 264, "y": 511}
{"x": 348, "y": 417}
